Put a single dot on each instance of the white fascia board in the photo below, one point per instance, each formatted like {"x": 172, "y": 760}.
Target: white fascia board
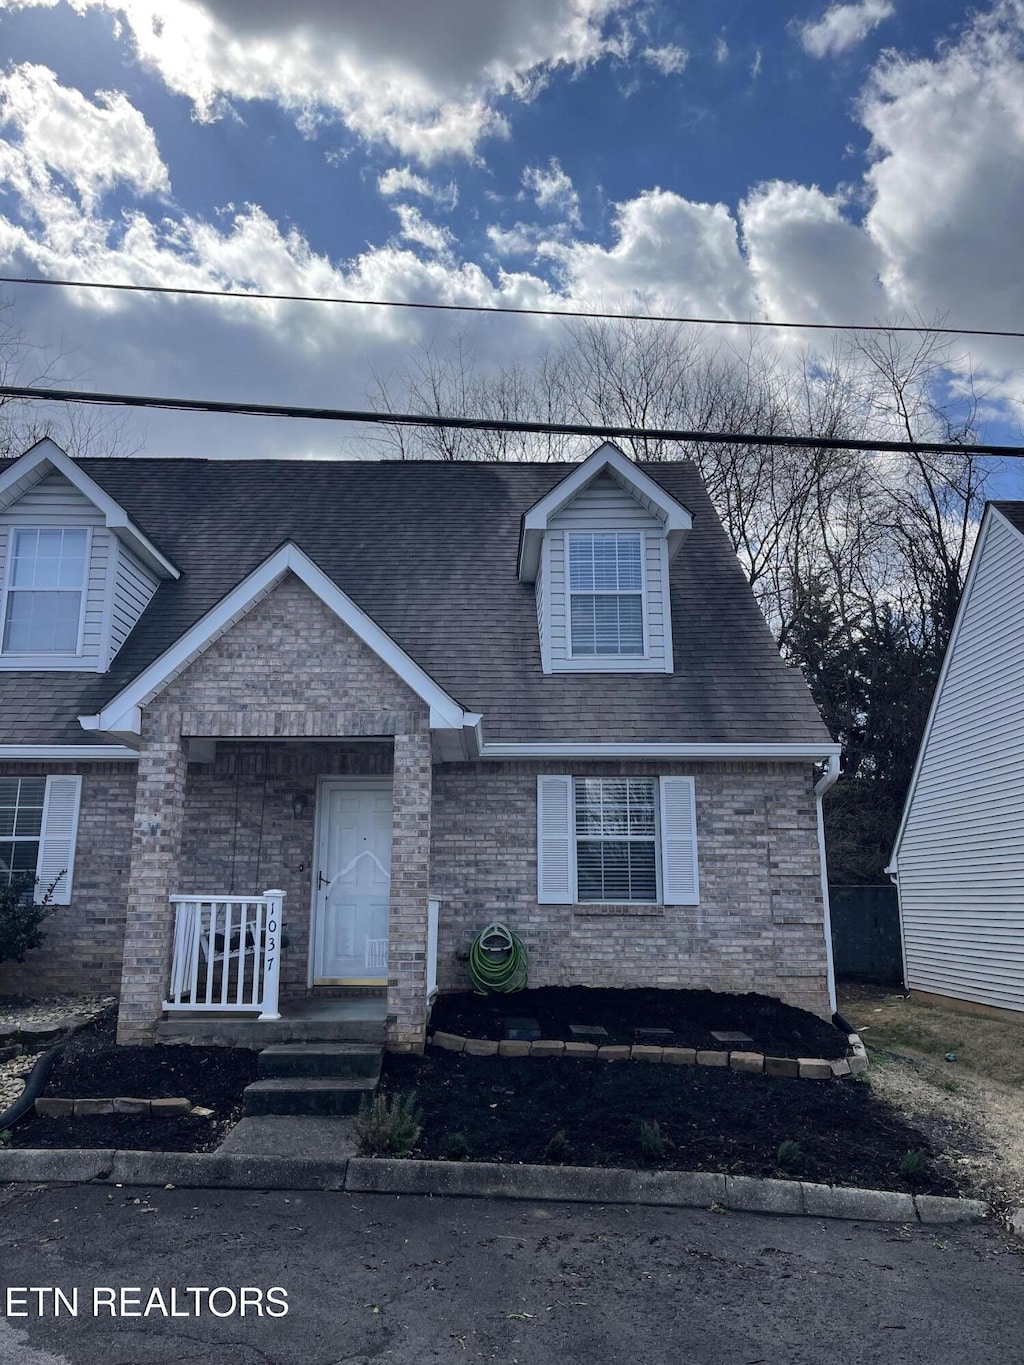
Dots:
{"x": 58, "y": 753}
{"x": 46, "y": 457}
{"x": 606, "y": 457}
{"x": 123, "y": 713}
{"x": 781, "y": 752}
{"x": 961, "y": 611}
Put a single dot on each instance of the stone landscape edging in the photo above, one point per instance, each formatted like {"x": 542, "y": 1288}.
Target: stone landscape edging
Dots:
{"x": 55, "y": 1107}
{"x": 755, "y": 1063}
{"x": 483, "y": 1180}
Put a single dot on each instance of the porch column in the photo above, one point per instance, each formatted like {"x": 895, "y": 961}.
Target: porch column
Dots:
{"x": 156, "y": 843}
{"x": 410, "y": 873}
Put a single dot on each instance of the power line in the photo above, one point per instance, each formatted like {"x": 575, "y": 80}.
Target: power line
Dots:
{"x": 919, "y": 329}
{"x": 419, "y": 419}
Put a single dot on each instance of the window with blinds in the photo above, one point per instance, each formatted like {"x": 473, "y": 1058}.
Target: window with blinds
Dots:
{"x": 616, "y": 839}
{"x": 606, "y": 615}
{"x": 21, "y": 826}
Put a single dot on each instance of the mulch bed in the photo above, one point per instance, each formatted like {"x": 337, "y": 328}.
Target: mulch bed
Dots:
{"x": 92, "y": 1066}
{"x": 509, "y": 1109}
{"x": 777, "y": 1030}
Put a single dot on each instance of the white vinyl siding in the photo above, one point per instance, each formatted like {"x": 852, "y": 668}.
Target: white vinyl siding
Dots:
{"x": 38, "y": 832}
{"x": 575, "y": 816}
{"x": 961, "y": 854}
{"x": 604, "y": 506}
{"x": 54, "y": 503}
{"x": 134, "y": 586}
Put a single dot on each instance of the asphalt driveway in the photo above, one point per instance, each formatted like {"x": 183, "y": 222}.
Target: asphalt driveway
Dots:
{"x": 414, "y": 1280}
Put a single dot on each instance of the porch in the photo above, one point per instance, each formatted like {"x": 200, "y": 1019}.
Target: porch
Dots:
{"x": 342, "y": 826}
{"x": 225, "y": 976}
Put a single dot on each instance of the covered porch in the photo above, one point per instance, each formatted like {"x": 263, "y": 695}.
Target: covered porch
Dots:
{"x": 279, "y": 890}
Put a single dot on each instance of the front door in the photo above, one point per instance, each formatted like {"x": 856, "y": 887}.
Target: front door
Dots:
{"x": 352, "y": 884}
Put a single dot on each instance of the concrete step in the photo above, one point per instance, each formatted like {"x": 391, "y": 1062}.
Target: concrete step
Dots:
{"x": 320, "y": 1059}
{"x": 316, "y": 1095}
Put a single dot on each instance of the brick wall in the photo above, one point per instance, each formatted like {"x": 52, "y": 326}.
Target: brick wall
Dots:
{"x": 759, "y": 926}
{"x": 84, "y": 940}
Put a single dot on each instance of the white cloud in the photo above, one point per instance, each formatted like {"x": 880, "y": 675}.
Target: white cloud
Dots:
{"x": 424, "y": 79}
{"x": 553, "y": 190}
{"x": 92, "y": 145}
{"x": 947, "y": 181}
{"x": 756, "y": 65}
{"x": 669, "y": 60}
{"x": 404, "y": 180}
{"x": 842, "y": 26}
{"x": 721, "y": 50}
{"x": 416, "y": 228}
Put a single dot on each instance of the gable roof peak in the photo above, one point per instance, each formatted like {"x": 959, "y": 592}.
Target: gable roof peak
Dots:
{"x": 46, "y": 457}
{"x": 609, "y": 460}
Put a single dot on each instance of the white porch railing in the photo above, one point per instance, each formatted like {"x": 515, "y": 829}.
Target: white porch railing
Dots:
{"x": 227, "y": 953}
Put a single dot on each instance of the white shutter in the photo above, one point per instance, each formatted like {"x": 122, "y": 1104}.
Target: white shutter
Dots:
{"x": 679, "y": 841}
{"x": 554, "y": 840}
{"x": 57, "y": 842}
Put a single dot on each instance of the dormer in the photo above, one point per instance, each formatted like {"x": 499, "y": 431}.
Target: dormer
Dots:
{"x": 75, "y": 572}
{"x": 598, "y": 549}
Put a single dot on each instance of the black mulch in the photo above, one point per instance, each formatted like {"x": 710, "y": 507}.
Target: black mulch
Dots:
{"x": 776, "y": 1029}
{"x": 509, "y": 1109}
{"x": 92, "y": 1066}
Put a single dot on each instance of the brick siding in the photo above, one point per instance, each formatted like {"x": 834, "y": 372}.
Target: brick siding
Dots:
{"x": 84, "y": 940}
{"x": 759, "y": 925}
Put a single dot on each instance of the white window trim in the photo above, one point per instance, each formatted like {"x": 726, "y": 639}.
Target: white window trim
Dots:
{"x": 618, "y": 661}
{"x": 29, "y": 659}
{"x": 659, "y": 899}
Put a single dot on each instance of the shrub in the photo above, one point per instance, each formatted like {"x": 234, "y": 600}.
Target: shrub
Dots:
{"x": 558, "y": 1150}
{"x": 790, "y": 1154}
{"x": 652, "y": 1140}
{"x": 914, "y": 1162}
{"x": 388, "y": 1126}
{"x": 21, "y": 917}
{"x": 456, "y": 1148}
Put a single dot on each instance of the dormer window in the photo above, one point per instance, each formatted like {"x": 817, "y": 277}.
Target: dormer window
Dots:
{"x": 45, "y": 587}
{"x": 606, "y": 593}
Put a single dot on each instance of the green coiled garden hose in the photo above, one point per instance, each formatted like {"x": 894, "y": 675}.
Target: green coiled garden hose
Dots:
{"x": 498, "y": 960}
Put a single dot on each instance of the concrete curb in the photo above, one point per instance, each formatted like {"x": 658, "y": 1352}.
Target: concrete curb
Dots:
{"x": 483, "y": 1180}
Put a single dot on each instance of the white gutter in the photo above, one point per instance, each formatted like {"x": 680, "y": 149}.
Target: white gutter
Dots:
{"x": 51, "y": 753}
{"x": 820, "y": 788}
{"x": 711, "y": 751}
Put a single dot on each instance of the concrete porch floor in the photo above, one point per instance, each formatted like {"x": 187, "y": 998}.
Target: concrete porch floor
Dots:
{"x": 305, "y": 1020}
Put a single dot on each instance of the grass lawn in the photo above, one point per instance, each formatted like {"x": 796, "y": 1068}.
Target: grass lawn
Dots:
{"x": 973, "y": 1107}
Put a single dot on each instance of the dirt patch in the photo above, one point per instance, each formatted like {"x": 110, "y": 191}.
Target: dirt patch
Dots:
{"x": 972, "y": 1108}
{"x": 776, "y": 1029}
{"x": 510, "y": 1109}
{"x": 92, "y": 1066}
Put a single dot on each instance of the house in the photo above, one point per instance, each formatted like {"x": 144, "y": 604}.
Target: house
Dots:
{"x": 282, "y": 729}
{"x": 958, "y": 859}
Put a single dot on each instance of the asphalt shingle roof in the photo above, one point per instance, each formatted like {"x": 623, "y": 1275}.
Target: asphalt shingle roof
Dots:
{"x": 1013, "y": 512}
{"x": 429, "y": 551}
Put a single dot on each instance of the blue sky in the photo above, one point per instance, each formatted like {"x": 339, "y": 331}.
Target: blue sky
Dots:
{"x": 796, "y": 159}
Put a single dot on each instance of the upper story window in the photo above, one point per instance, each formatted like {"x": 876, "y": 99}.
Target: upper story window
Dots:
{"x": 606, "y": 609}
{"x": 45, "y": 588}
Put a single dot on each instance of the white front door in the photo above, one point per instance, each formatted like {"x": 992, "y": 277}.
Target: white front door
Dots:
{"x": 352, "y": 884}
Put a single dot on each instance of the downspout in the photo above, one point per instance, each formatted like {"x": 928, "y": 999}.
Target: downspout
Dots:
{"x": 820, "y": 788}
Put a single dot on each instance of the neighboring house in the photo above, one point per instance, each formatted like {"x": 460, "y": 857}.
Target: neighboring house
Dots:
{"x": 958, "y": 860}
{"x": 409, "y": 699}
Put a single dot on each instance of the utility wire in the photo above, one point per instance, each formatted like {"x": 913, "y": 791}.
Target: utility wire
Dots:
{"x": 419, "y": 419}
{"x": 919, "y": 329}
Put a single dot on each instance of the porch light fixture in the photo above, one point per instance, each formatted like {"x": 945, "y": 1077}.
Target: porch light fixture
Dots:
{"x": 298, "y": 805}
